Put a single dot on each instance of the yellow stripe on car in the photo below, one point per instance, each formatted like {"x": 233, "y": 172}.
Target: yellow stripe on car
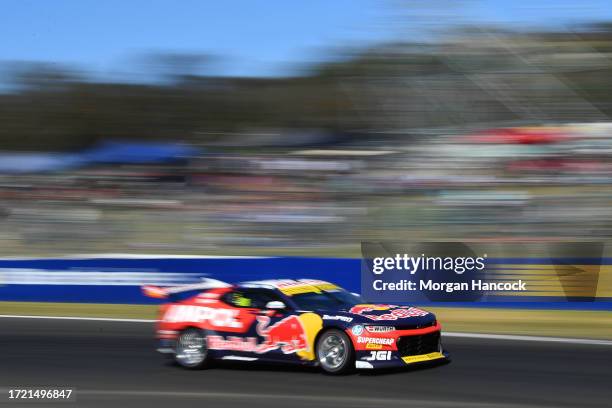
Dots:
{"x": 422, "y": 357}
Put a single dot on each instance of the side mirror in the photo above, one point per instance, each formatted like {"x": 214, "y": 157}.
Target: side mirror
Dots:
{"x": 275, "y": 305}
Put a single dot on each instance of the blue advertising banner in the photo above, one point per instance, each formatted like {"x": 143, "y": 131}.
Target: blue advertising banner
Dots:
{"x": 118, "y": 279}
{"x": 572, "y": 283}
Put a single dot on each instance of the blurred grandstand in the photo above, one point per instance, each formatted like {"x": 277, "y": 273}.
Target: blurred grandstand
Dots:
{"x": 485, "y": 135}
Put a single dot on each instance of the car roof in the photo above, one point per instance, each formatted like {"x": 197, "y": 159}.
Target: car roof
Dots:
{"x": 281, "y": 283}
{"x": 290, "y": 286}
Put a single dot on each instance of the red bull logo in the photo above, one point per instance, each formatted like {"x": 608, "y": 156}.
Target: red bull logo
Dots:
{"x": 394, "y": 312}
{"x": 288, "y": 334}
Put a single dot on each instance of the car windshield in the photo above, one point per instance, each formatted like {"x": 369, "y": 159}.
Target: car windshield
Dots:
{"x": 326, "y": 300}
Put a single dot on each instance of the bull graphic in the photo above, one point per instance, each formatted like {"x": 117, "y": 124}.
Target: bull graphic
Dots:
{"x": 287, "y": 334}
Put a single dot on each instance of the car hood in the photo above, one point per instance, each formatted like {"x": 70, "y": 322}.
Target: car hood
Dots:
{"x": 385, "y": 315}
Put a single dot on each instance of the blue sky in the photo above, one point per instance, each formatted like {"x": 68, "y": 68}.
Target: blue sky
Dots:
{"x": 254, "y": 37}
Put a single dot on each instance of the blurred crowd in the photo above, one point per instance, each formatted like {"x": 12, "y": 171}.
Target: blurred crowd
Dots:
{"x": 517, "y": 184}
{"x": 491, "y": 136}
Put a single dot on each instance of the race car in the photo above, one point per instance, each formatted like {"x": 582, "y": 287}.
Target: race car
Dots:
{"x": 305, "y": 321}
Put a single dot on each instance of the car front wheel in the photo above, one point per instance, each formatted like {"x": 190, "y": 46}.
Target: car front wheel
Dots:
{"x": 335, "y": 352}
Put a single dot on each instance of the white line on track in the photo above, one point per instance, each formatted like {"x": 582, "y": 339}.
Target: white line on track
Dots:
{"x": 445, "y": 334}
{"x": 528, "y": 338}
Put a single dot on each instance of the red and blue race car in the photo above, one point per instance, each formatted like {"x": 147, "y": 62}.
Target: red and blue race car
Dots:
{"x": 303, "y": 321}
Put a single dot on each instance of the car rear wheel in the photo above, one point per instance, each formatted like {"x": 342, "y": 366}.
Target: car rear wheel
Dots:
{"x": 335, "y": 352}
{"x": 191, "y": 349}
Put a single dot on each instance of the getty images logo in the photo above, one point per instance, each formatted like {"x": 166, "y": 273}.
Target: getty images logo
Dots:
{"x": 411, "y": 264}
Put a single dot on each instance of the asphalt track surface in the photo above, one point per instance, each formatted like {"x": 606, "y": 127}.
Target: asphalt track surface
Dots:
{"x": 114, "y": 364}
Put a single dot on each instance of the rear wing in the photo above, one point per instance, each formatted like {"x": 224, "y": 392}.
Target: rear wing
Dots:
{"x": 167, "y": 292}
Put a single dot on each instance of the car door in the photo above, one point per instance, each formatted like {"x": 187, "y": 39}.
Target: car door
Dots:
{"x": 274, "y": 334}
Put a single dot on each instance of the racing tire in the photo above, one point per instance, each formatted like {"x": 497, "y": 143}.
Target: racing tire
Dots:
{"x": 335, "y": 352}
{"x": 191, "y": 349}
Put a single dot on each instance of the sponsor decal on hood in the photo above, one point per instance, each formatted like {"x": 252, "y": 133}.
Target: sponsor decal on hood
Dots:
{"x": 387, "y": 312}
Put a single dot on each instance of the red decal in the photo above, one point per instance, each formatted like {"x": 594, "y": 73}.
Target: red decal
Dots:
{"x": 397, "y": 312}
